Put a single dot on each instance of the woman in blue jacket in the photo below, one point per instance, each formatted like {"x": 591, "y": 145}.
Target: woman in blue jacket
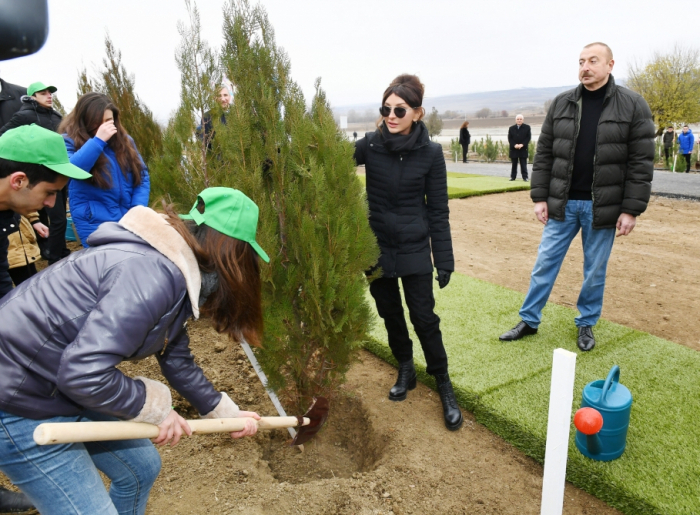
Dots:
{"x": 97, "y": 143}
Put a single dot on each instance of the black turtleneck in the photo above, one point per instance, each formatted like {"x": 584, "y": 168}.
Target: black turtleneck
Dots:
{"x": 592, "y": 107}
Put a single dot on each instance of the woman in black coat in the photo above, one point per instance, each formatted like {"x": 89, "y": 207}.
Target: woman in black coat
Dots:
{"x": 407, "y": 195}
{"x": 37, "y": 107}
{"x": 464, "y": 140}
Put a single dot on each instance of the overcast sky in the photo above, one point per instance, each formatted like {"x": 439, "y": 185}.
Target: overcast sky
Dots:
{"x": 358, "y": 46}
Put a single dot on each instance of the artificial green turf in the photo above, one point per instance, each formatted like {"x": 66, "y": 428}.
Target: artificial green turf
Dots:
{"x": 461, "y": 185}
{"x": 506, "y": 386}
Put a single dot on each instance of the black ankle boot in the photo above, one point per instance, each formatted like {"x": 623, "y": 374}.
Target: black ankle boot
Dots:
{"x": 13, "y": 502}
{"x": 406, "y": 381}
{"x": 453, "y": 415}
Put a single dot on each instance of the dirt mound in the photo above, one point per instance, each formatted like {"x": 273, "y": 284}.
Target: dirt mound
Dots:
{"x": 346, "y": 446}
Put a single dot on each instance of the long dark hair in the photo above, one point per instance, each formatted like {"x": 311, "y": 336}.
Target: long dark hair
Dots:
{"x": 235, "y": 307}
{"x": 82, "y": 123}
{"x": 408, "y": 88}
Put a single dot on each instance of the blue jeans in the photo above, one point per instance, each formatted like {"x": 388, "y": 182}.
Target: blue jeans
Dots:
{"x": 556, "y": 238}
{"x": 62, "y": 479}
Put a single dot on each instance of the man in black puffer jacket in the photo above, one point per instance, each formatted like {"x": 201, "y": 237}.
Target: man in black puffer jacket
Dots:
{"x": 592, "y": 171}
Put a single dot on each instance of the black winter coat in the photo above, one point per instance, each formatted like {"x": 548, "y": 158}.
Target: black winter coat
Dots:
{"x": 516, "y": 136}
{"x": 9, "y": 223}
{"x": 464, "y": 137}
{"x": 10, "y": 100}
{"x": 408, "y": 211}
{"x": 669, "y": 139}
{"x": 63, "y": 331}
{"x": 31, "y": 112}
{"x": 623, "y": 164}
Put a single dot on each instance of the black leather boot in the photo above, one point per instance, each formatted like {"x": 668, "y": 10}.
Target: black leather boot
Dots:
{"x": 453, "y": 415}
{"x": 405, "y": 382}
{"x": 13, "y": 502}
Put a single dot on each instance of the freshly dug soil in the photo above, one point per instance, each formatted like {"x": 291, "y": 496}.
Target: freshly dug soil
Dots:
{"x": 379, "y": 457}
{"x": 374, "y": 456}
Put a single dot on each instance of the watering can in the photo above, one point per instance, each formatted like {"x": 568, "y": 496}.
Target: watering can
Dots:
{"x": 602, "y": 422}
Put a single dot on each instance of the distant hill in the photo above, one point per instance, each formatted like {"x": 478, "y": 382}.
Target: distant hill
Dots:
{"x": 509, "y": 100}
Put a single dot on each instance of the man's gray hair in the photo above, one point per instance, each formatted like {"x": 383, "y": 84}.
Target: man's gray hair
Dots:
{"x": 610, "y": 54}
{"x": 520, "y": 115}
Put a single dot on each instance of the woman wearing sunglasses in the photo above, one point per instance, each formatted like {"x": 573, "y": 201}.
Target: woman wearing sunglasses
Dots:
{"x": 407, "y": 195}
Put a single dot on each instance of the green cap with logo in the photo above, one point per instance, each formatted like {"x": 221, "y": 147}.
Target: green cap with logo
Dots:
{"x": 39, "y": 86}
{"x": 34, "y": 144}
{"x": 231, "y": 213}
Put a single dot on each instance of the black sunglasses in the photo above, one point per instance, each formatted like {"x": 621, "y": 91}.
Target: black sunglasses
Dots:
{"x": 400, "y": 112}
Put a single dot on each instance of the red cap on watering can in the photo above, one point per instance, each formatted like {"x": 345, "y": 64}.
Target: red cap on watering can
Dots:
{"x": 614, "y": 402}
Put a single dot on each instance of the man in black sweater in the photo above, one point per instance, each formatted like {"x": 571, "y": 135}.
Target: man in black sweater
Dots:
{"x": 592, "y": 173}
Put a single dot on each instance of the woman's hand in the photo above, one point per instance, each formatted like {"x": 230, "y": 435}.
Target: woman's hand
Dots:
{"x": 250, "y": 427}
{"x": 171, "y": 429}
{"x": 106, "y": 131}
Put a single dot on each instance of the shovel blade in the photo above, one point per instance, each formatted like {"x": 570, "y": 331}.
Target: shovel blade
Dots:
{"x": 317, "y": 414}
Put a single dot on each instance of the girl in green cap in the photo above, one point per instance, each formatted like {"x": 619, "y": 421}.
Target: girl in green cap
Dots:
{"x": 128, "y": 296}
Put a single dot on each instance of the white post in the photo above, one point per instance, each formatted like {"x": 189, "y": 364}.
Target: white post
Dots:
{"x": 561, "y": 397}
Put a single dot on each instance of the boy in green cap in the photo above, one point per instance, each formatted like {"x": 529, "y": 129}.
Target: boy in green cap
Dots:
{"x": 37, "y": 107}
{"x": 34, "y": 167}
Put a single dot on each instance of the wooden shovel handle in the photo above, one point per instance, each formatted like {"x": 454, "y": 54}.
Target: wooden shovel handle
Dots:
{"x": 72, "y": 432}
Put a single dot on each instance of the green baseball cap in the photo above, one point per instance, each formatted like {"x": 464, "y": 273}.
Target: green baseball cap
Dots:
{"x": 39, "y": 86}
{"x": 230, "y": 212}
{"x": 34, "y": 144}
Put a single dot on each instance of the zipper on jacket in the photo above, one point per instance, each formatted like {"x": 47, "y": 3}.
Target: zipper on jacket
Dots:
{"x": 595, "y": 154}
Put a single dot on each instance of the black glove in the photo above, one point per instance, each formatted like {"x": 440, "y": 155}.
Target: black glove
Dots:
{"x": 443, "y": 278}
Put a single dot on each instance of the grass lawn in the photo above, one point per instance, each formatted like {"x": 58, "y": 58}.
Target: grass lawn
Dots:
{"x": 460, "y": 185}
{"x": 506, "y": 386}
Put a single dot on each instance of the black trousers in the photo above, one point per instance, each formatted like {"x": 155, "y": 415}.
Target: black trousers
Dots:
{"x": 22, "y": 273}
{"x": 687, "y": 162}
{"x": 667, "y": 152}
{"x": 418, "y": 292}
{"x": 464, "y": 153}
{"x": 514, "y": 168}
{"x": 56, "y": 244}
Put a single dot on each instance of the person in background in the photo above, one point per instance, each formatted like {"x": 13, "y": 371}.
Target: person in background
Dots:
{"x": 686, "y": 141}
{"x": 64, "y": 332}
{"x": 34, "y": 167}
{"x": 464, "y": 139}
{"x": 411, "y": 219}
{"x": 592, "y": 174}
{"x": 668, "y": 139}
{"x": 10, "y": 100}
{"x": 37, "y": 108}
{"x": 354, "y": 136}
{"x": 224, "y": 98}
{"x": 98, "y": 143}
{"x": 519, "y": 136}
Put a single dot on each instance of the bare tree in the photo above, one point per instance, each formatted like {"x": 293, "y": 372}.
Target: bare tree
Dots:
{"x": 434, "y": 123}
{"x": 484, "y": 112}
